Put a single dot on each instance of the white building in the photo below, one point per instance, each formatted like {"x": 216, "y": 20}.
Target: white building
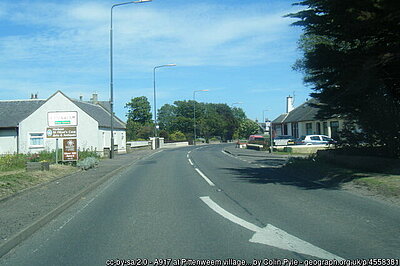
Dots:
{"x": 26, "y": 126}
{"x": 302, "y": 120}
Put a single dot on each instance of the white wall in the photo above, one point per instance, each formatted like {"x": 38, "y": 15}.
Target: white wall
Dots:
{"x": 8, "y": 141}
{"x": 87, "y": 128}
{"x": 104, "y": 139}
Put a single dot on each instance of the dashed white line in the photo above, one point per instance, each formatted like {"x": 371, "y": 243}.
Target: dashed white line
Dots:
{"x": 190, "y": 161}
{"x": 205, "y": 177}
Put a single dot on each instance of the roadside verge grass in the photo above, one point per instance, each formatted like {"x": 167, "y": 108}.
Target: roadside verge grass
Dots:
{"x": 17, "y": 180}
{"x": 334, "y": 176}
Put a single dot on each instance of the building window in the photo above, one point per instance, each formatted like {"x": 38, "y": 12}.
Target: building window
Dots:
{"x": 308, "y": 128}
{"x": 36, "y": 140}
{"x": 334, "y": 129}
{"x": 318, "y": 128}
{"x": 285, "y": 131}
{"x": 325, "y": 128}
{"x": 295, "y": 130}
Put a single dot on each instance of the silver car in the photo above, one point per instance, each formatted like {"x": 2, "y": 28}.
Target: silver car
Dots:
{"x": 315, "y": 140}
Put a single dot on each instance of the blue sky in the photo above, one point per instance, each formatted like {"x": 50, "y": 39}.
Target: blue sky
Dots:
{"x": 241, "y": 51}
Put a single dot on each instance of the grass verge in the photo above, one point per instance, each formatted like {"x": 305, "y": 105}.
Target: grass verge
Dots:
{"x": 382, "y": 184}
{"x": 17, "y": 180}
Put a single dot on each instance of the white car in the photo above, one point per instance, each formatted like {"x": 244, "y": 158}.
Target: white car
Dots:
{"x": 315, "y": 140}
{"x": 282, "y": 140}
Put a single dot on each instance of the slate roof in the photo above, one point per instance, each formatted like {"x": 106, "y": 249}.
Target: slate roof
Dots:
{"x": 304, "y": 112}
{"x": 13, "y": 112}
{"x": 99, "y": 114}
{"x": 279, "y": 119}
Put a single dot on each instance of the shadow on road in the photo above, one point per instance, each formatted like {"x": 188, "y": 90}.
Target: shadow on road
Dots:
{"x": 307, "y": 177}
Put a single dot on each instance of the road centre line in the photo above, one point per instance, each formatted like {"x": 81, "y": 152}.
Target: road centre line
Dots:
{"x": 205, "y": 177}
{"x": 190, "y": 161}
{"x": 271, "y": 235}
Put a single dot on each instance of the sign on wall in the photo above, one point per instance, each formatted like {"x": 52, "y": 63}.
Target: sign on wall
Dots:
{"x": 55, "y": 119}
{"x": 70, "y": 150}
{"x": 61, "y": 132}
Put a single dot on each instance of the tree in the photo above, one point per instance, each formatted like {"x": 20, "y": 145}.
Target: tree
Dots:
{"x": 139, "y": 123}
{"x": 211, "y": 119}
{"x": 139, "y": 110}
{"x": 351, "y": 56}
{"x": 166, "y": 117}
{"x": 246, "y": 128}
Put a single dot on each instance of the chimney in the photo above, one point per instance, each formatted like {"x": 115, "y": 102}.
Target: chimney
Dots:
{"x": 94, "y": 98}
{"x": 32, "y": 96}
{"x": 289, "y": 104}
{"x": 81, "y": 98}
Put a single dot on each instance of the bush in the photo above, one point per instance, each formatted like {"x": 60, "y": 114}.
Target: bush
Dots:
{"x": 177, "y": 136}
{"x": 12, "y": 162}
{"x": 87, "y": 153}
{"x": 87, "y": 163}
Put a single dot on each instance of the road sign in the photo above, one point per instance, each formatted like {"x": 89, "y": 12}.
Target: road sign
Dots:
{"x": 61, "y": 132}
{"x": 56, "y": 119}
{"x": 70, "y": 151}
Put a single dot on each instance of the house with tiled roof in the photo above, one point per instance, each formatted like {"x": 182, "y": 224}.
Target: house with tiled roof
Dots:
{"x": 32, "y": 125}
{"x": 302, "y": 120}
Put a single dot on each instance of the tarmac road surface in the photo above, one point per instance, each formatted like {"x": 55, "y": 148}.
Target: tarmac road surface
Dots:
{"x": 199, "y": 203}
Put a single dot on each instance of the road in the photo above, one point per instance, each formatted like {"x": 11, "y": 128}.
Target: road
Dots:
{"x": 199, "y": 203}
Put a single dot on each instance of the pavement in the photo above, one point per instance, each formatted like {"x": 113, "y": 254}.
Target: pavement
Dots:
{"x": 24, "y": 213}
{"x": 259, "y": 158}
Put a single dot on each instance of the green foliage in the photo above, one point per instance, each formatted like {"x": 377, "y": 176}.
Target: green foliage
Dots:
{"x": 177, "y": 136}
{"x": 246, "y": 128}
{"x": 139, "y": 124}
{"x": 12, "y": 162}
{"x": 212, "y": 120}
{"x": 351, "y": 57}
{"x": 139, "y": 110}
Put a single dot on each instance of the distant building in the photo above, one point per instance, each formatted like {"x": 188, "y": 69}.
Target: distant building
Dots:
{"x": 302, "y": 120}
{"x": 32, "y": 125}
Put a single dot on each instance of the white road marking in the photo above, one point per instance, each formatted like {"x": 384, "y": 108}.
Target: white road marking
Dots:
{"x": 205, "y": 177}
{"x": 190, "y": 161}
{"x": 224, "y": 152}
{"x": 272, "y": 236}
{"x": 187, "y": 155}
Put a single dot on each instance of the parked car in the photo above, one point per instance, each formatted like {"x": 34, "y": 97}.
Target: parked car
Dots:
{"x": 313, "y": 140}
{"x": 257, "y": 139}
{"x": 282, "y": 140}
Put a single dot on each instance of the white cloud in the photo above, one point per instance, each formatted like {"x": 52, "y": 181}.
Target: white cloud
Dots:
{"x": 193, "y": 35}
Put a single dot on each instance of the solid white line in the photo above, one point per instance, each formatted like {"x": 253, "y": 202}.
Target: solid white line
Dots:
{"x": 215, "y": 207}
{"x": 205, "y": 177}
{"x": 190, "y": 161}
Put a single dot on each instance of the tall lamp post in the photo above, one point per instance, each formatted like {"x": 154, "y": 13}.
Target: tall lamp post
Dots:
{"x": 155, "y": 105}
{"x": 111, "y": 72}
{"x": 194, "y": 115}
{"x": 270, "y": 131}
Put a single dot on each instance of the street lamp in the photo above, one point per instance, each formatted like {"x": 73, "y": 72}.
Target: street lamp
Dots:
{"x": 155, "y": 105}
{"x": 270, "y": 131}
{"x": 194, "y": 115}
{"x": 264, "y": 114}
{"x": 111, "y": 72}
